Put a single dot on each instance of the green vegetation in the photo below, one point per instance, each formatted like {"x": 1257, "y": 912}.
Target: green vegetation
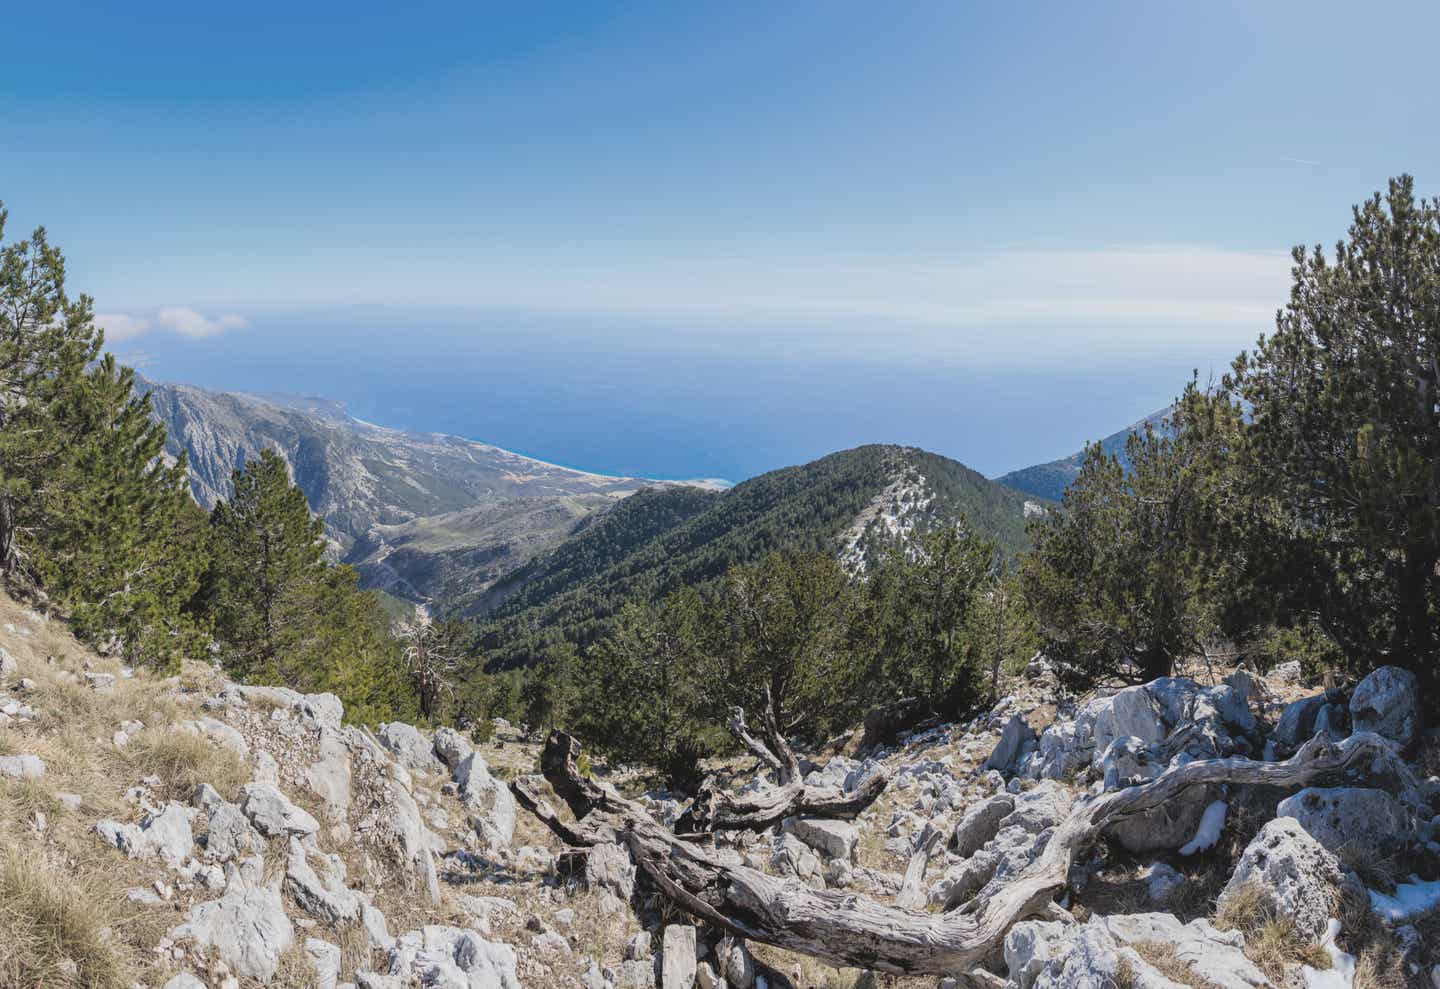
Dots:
{"x": 95, "y": 523}
{"x": 1295, "y": 505}
{"x": 657, "y": 542}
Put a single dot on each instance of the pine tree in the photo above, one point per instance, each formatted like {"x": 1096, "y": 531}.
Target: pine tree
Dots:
{"x": 266, "y": 551}
{"x": 1344, "y": 447}
{"x": 120, "y": 548}
{"x": 46, "y": 341}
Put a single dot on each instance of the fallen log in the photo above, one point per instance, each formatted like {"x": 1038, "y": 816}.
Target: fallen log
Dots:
{"x": 845, "y": 929}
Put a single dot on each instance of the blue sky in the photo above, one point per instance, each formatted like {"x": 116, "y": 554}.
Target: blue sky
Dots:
{"x": 993, "y": 229}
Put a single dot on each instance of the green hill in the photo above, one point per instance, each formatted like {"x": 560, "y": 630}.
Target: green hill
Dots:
{"x": 853, "y": 503}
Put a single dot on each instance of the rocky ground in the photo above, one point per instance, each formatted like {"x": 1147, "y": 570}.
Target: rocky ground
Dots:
{"x": 187, "y": 832}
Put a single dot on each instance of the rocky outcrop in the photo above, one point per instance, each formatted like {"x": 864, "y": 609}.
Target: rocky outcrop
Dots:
{"x": 246, "y": 928}
{"x": 165, "y": 835}
{"x": 273, "y": 814}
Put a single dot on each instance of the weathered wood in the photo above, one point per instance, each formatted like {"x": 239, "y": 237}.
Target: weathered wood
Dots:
{"x": 912, "y": 892}
{"x": 844, "y": 929}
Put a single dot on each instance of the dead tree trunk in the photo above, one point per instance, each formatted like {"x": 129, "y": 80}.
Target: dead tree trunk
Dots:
{"x": 844, "y": 929}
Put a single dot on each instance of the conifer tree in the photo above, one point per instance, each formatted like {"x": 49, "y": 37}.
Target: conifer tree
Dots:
{"x": 46, "y": 341}
{"x": 121, "y": 549}
{"x": 1344, "y": 447}
{"x": 266, "y": 551}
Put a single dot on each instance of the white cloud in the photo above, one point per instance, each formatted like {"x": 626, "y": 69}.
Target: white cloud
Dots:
{"x": 119, "y": 326}
{"x": 191, "y": 323}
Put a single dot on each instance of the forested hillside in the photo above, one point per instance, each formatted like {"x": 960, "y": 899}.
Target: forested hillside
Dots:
{"x": 856, "y": 502}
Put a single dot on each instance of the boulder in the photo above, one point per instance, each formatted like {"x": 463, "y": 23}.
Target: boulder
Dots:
{"x": 273, "y": 814}
{"x": 184, "y": 981}
{"x": 8, "y": 666}
{"x": 1169, "y": 826}
{"x": 1339, "y": 815}
{"x": 408, "y": 745}
{"x": 1016, "y": 741}
{"x": 246, "y": 927}
{"x": 326, "y": 898}
{"x": 1387, "y": 702}
{"x": 489, "y": 801}
{"x": 980, "y": 823}
{"x": 451, "y": 747}
{"x": 166, "y": 835}
{"x": 833, "y": 839}
{"x": 324, "y": 959}
{"x": 677, "y": 958}
{"x": 22, "y": 767}
{"x": 1297, "y": 723}
{"x": 229, "y": 834}
{"x": 1296, "y": 875}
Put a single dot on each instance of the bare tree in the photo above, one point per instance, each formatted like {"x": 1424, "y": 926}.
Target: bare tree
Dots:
{"x": 427, "y": 662}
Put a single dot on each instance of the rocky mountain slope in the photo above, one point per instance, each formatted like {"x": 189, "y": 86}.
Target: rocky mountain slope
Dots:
{"x": 408, "y": 508}
{"x": 187, "y": 832}
{"x": 1050, "y": 480}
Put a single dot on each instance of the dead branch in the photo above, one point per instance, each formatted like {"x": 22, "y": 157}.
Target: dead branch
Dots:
{"x": 844, "y": 929}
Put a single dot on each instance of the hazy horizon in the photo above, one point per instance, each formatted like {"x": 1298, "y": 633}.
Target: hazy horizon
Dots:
{"x": 675, "y": 239}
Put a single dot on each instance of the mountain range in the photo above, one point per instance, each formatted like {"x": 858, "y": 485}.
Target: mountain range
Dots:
{"x": 480, "y": 531}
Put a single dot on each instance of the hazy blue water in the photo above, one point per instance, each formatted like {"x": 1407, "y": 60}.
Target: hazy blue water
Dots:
{"x": 586, "y": 394}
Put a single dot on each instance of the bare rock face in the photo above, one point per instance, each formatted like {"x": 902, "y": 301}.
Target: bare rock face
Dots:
{"x": 246, "y": 928}
{"x": 1295, "y": 873}
{"x": 1387, "y": 702}
{"x": 1339, "y": 815}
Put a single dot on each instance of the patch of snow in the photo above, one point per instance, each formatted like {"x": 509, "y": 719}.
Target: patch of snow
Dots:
{"x": 1212, "y": 822}
{"x": 1408, "y": 900}
{"x": 1340, "y": 974}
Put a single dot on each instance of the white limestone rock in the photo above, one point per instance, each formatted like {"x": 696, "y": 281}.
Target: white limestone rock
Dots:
{"x": 1297, "y": 876}
{"x": 246, "y": 927}
{"x": 1387, "y": 702}
{"x": 273, "y": 814}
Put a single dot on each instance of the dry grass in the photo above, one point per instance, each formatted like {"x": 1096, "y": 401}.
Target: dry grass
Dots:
{"x": 183, "y": 760}
{"x": 1271, "y": 942}
{"x": 53, "y": 925}
{"x": 1376, "y": 869}
{"x": 1378, "y": 962}
{"x": 1161, "y": 956}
